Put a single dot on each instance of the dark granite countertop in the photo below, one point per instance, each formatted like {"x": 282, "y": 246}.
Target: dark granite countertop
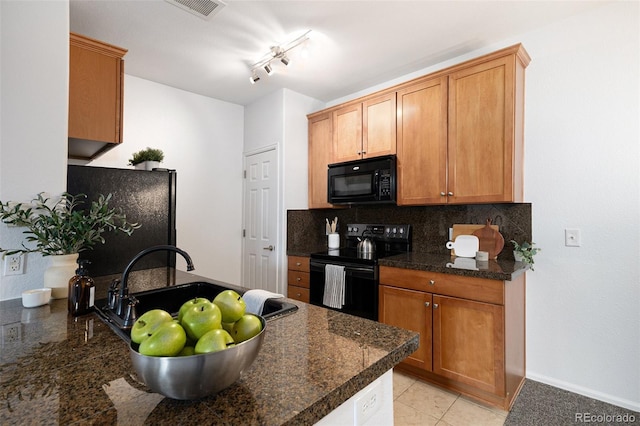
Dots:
{"x": 63, "y": 370}
{"x": 503, "y": 270}
{"x": 500, "y": 269}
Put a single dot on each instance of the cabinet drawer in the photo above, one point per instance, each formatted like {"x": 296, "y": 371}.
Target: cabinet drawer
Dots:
{"x": 298, "y": 293}
{"x": 297, "y": 278}
{"x": 480, "y": 289}
{"x": 298, "y": 263}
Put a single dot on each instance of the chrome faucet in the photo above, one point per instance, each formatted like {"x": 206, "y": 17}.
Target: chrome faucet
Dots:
{"x": 124, "y": 304}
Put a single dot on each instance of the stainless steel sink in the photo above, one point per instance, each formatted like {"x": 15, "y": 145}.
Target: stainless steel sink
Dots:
{"x": 171, "y": 298}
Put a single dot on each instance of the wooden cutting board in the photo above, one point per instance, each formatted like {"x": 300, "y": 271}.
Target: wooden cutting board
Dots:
{"x": 491, "y": 240}
{"x": 470, "y": 229}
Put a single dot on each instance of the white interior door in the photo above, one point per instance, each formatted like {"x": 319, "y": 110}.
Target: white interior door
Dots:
{"x": 260, "y": 210}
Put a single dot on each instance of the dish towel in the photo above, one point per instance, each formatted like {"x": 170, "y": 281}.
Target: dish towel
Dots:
{"x": 334, "y": 278}
{"x": 254, "y": 299}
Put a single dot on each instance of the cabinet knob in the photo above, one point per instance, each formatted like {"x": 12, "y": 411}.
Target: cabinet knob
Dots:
{"x": 432, "y": 282}
{"x": 298, "y": 263}
{"x": 298, "y": 278}
{"x": 298, "y": 294}
{"x": 427, "y": 304}
{"x": 359, "y": 152}
{"x": 450, "y": 194}
{"x": 443, "y": 194}
{"x": 435, "y": 306}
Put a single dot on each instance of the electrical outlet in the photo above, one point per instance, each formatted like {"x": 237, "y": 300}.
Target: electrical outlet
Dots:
{"x": 14, "y": 264}
{"x": 11, "y": 332}
{"x": 369, "y": 403}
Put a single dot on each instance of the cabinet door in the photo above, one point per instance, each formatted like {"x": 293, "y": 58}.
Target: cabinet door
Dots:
{"x": 320, "y": 145}
{"x": 410, "y": 310}
{"x": 422, "y": 143}
{"x": 468, "y": 342}
{"x": 379, "y": 126}
{"x": 481, "y": 133}
{"x": 347, "y": 133}
{"x": 95, "y": 90}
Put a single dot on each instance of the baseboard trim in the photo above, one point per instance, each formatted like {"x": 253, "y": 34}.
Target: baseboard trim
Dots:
{"x": 610, "y": 399}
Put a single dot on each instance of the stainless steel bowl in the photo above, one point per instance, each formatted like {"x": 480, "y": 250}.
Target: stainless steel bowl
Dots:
{"x": 196, "y": 376}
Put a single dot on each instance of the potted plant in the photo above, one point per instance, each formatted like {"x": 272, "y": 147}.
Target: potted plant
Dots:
{"x": 524, "y": 252}
{"x": 147, "y": 159}
{"x": 57, "y": 227}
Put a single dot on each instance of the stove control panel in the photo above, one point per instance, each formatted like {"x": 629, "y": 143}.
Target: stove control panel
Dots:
{"x": 379, "y": 232}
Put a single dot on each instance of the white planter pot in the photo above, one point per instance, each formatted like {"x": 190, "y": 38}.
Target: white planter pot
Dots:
{"x": 517, "y": 256}
{"x": 148, "y": 165}
{"x": 56, "y": 277}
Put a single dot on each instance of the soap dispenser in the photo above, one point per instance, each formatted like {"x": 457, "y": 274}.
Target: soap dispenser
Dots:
{"x": 81, "y": 290}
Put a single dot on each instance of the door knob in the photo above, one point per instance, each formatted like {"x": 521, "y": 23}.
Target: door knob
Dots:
{"x": 270, "y": 248}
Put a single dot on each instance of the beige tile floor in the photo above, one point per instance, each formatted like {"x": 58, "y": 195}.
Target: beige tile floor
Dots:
{"x": 421, "y": 404}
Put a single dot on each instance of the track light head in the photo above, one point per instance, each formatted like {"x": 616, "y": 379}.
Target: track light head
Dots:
{"x": 285, "y": 60}
{"x": 267, "y": 68}
{"x": 254, "y": 78}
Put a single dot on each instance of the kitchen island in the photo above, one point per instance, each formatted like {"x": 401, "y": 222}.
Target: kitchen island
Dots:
{"x": 56, "y": 369}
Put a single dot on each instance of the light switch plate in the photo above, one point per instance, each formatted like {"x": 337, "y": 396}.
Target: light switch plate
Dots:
{"x": 572, "y": 238}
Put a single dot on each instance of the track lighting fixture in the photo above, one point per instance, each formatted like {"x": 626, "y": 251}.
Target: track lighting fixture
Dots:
{"x": 278, "y": 53}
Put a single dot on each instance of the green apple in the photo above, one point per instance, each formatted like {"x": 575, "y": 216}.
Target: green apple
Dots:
{"x": 246, "y": 327}
{"x": 214, "y": 341}
{"x": 227, "y": 326}
{"x": 189, "y": 304}
{"x": 231, "y": 305}
{"x": 147, "y": 323}
{"x": 201, "y": 318}
{"x": 187, "y": 351}
{"x": 166, "y": 340}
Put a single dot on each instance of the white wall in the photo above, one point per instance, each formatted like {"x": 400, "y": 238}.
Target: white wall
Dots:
{"x": 279, "y": 119}
{"x": 582, "y": 162}
{"x": 33, "y": 131}
{"x": 202, "y": 139}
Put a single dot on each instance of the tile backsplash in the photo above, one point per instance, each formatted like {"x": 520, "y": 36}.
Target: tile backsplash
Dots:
{"x": 430, "y": 224}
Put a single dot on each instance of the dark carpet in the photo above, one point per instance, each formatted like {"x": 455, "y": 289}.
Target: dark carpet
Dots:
{"x": 540, "y": 404}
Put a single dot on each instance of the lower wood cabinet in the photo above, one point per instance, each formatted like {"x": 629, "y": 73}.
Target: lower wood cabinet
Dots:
{"x": 298, "y": 278}
{"x": 472, "y": 336}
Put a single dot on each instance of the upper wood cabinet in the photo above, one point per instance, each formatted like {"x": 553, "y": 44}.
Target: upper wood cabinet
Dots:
{"x": 458, "y": 132}
{"x": 365, "y": 130}
{"x": 460, "y": 135}
{"x": 422, "y": 142}
{"x": 96, "y": 71}
{"x": 485, "y": 146}
{"x": 320, "y": 152}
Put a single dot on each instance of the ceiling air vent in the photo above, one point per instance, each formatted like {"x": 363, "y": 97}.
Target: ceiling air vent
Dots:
{"x": 204, "y": 9}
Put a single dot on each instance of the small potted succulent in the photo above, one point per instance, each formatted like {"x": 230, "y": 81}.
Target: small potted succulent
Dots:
{"x": 524, "y": 252}
{"x": 147, "y": 159}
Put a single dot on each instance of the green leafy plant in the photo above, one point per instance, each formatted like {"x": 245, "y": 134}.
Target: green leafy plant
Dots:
{"x": 149, "y": 154}
{"x": 59, "y": 226}
{"x": 526, "y": 250}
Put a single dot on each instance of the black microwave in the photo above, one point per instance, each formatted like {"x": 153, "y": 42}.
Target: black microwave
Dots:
{"x": 368, "y": 181}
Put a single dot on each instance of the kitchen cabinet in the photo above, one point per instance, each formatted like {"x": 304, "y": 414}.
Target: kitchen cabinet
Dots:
{"x": 96, "y": 74}
{"x": 298, "y": 278}
{"x": 472, "y": 337}
{"x": 320, "y": 152}
{"x": 366, "y": 129}
{"x": 460, "y": 135}
{"x": 422, "y": 142}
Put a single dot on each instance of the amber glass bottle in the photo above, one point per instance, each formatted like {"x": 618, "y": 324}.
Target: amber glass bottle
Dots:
{"x": 81, "y": 290}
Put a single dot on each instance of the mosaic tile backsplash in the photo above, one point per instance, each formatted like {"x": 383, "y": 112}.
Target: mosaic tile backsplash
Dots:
{"x": 430, "y": 224}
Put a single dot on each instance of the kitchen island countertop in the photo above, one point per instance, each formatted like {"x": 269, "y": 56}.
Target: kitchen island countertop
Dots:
{"x": 62, "y": 370}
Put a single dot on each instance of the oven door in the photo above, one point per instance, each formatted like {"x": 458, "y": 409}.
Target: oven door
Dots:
{"x": 361, "y": 288}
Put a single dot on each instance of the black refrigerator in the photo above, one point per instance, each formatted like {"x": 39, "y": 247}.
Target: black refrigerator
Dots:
{"x": 147, "y": 198}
